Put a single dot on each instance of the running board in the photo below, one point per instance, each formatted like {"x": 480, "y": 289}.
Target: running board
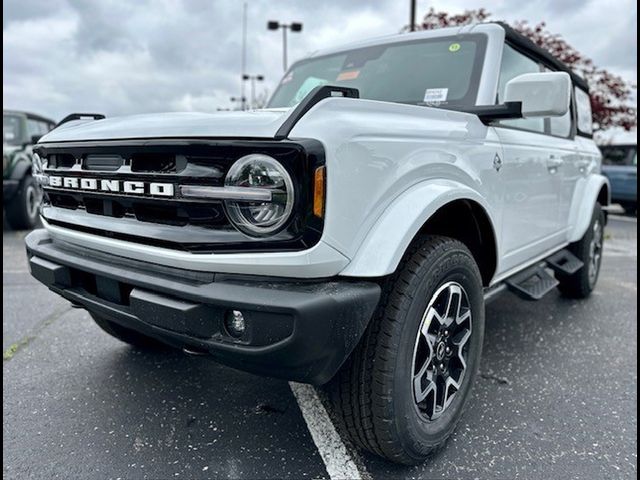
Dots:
{"x": 564, "y": 262}
{"x": 532, "y": 283}
{"x": 535, "y": 282}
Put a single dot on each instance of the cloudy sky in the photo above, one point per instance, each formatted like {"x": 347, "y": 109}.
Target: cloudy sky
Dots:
{"x": 121, "y": 57}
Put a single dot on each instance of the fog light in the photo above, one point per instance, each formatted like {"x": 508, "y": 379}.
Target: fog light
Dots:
{"x": 234, "y": 323}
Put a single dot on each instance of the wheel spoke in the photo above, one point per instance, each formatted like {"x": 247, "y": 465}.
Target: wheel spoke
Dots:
{"x": 418, "y": 390}
{"x": 453, "y": 304}
{"x": 427, "y": 321}
{"x": 449, "y": 385}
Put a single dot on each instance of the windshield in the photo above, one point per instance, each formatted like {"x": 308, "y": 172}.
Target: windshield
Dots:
{"x": 437, "y": 71}
{"x": 11, "y": 129}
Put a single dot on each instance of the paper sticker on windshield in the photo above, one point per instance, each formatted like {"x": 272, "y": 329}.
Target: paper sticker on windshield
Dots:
{"x": 287, "y": 79}
{"x": 435, "y": 95}
{"x": 349, "y": 75}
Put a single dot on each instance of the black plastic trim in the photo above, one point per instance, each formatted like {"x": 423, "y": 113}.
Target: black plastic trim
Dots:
{"x": 314, "y": 96}
{"x": 79, "y": 116}
{"x": 520, "y": 42}
{"x": 296, "y": 330}
{"x": 489, "y": 113}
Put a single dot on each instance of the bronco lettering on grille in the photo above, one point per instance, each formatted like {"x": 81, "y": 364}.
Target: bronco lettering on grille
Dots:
{"x": 130, "y": 187}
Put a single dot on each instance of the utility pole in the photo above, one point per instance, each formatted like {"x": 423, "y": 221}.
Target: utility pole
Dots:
{"x": 412, "y": 19}
{"x": 253, "y": 79}
{"x": 293, "y": 26}
{"x": 241, "y": 100}
{"x": 244, "y": 55}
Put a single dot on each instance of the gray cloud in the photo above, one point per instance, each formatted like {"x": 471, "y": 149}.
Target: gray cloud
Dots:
{"x": 122, "y": 57}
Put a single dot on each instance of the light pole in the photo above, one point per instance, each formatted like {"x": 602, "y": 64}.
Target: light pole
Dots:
{"x": 240, "y": 100}
{"x": 253, "y": 79}
{"x": 412, "y": 16}
{"x": 293, "y": 26}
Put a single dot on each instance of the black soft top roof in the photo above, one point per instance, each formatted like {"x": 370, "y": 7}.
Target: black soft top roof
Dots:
{"x": 526, "y": 45}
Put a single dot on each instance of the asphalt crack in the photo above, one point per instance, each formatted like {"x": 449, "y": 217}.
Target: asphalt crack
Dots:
{"x": 21, "y": 344}
{"x": 495, "y": 378}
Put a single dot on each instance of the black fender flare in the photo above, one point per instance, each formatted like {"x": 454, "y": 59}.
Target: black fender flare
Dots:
{"x": 22, "y": 168}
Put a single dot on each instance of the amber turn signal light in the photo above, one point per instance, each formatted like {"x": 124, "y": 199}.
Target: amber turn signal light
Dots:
{"x": 318, "y": 192}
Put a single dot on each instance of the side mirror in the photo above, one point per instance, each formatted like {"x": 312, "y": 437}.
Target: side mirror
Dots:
{"x": 35, "y": 139}
{"x": 541, "y": 94}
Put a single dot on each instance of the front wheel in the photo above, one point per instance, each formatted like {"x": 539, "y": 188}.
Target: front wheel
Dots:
{"x": 403, "y": 390}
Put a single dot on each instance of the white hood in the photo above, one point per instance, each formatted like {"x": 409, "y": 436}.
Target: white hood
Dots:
{"x": 252, "y": 124}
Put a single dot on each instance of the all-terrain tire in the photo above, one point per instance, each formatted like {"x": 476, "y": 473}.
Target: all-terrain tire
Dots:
{"x": 582, "y": 283}
{"x": 22, "y": 210}
{"x": 373, "y": 394}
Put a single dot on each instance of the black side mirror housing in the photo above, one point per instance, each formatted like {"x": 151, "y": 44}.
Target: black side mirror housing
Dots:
{"x": 490, "y": 113}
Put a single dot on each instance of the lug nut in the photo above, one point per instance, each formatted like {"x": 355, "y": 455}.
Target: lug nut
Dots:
{"x": 448, "y": 350}
{"x": 442, "y": 366}
{"x": 446, "y": 333}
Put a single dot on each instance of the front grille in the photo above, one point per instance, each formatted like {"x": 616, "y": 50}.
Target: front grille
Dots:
{"x": 173, "y": 222}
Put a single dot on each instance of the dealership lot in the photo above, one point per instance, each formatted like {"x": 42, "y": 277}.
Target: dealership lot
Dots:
{"x": 556, "y": 397}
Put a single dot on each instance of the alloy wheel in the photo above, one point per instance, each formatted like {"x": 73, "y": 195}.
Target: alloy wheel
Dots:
{"x": 439, "y": 358}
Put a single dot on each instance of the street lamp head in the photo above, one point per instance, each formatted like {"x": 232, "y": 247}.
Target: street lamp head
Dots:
{"x": 296, "y": 27}
{"x": 273, "y": 25}
{"x": 245, "y": 77}
{"x": 259, "y": 78}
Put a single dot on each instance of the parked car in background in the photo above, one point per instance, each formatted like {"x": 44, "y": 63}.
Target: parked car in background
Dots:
{"x": 20, "y": 193}
{"x": 620, "y": 165}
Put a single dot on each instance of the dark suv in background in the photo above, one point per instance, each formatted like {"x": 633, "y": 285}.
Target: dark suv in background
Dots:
{"x": 620, "y": 165}
{"x": 20, "y": 192}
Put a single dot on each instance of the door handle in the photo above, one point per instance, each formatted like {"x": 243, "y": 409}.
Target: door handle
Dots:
{"x": 553, "y": 163}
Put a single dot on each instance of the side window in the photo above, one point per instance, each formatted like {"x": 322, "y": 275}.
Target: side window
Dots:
{"x": 44, "y": 127}
{"x": 618, "y": 155}
{"x": 561, "y": 126}
{"x": 33, "y": 128}
{"x": 515, "y": 63}
{"x": 583, "y": 109}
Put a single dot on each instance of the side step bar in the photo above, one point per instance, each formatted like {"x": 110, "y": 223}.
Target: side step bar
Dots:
{"x": 535, "y": 282}
{"x": 532, "y": 283}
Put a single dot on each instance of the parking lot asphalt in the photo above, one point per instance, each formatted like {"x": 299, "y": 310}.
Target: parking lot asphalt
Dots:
{"x": 556, "y": 396}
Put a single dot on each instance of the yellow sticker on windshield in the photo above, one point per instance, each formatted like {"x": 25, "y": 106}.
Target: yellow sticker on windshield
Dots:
{"x": 454, "y": 47}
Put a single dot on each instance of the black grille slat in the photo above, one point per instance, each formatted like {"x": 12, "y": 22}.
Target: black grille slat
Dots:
{"x": 104, "y": 163}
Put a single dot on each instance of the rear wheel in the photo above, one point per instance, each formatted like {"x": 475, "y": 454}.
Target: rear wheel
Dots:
{"x": 126, "y": 335}
{"x": 589, "y": 250}
{"x": 22, "y": 209}
{"x": 403, "y": 390}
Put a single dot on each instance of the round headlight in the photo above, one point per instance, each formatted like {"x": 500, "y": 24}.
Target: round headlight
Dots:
{"x": 258, "y": 218}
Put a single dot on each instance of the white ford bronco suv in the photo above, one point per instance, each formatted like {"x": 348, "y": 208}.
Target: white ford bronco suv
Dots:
{"x": 350, "y": 233}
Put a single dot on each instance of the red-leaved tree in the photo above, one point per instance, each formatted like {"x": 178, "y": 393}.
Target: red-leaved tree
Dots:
{"x": 611, "y": 95}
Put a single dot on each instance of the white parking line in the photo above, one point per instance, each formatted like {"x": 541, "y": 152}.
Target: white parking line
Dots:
{"x": 334, "y": 453}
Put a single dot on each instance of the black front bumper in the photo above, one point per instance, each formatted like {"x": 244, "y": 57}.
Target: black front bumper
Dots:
{"x": 296, "y": 329}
